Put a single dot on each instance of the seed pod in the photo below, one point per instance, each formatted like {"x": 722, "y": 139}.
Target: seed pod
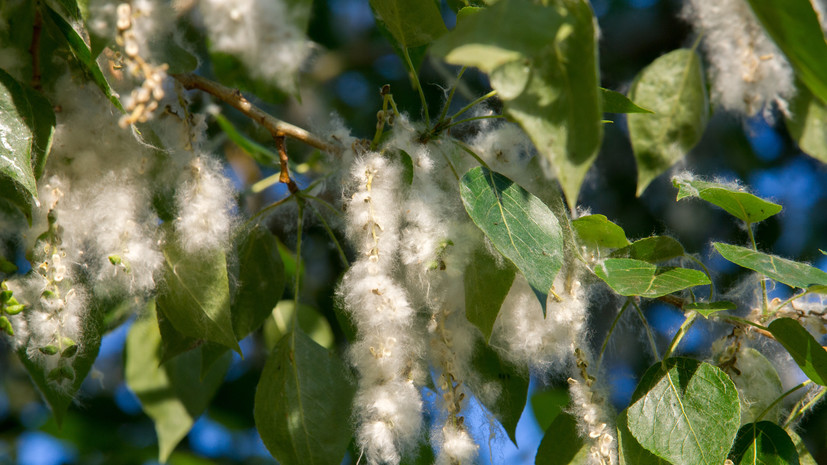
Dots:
{"x": 70, "y": 348}
{"x": 48, "y": 350}
{"x": 14, "y": 309}
{"x": 5, "y": 296}
{"x": 5, "y": 326}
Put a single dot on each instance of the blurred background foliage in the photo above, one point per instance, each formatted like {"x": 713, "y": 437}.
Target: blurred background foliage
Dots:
{"x": 351, "y": 62}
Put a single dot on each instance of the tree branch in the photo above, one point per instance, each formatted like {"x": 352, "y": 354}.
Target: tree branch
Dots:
{"x": 277, "y": 127}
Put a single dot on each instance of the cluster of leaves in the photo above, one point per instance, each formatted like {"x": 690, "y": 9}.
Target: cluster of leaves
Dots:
{"x": 541, "y": 58}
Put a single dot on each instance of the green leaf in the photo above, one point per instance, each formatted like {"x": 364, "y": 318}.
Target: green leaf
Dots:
{"x": 795, "y": 28}
{"x": 615, "y": 102}
{"x": 673, "y": 88}
{"x": 806, "y": 122}
{"x": 686, "y": 412}
{"x": 311, "y": 322}
{"x": 742, "y": 205}
{"x": 302, "y": 404}
{"x": 172, "y": 394}
{"x": 562, "y": 444}
{"x": 542, "y": 60}
{"x": 629, "y": 451}
{"x": 411, "y": 22}
{"x": 653, "y": 249}
{"x": 793, "y": 274}
{"x": 83, "y": 54}
{"x": 261, "y": 280}
{"x": 487, "y": 283}
{"x": 597, "y": 231}
{"x": 763, "y": 443}
{"x": 638, "y": 278}
{"x": 519, "y": 225}
{"x": 548, "y": 404}
{"x": 804, "y": 456}
{"x": 805, "y": 350}
{"x": 26, "y": 137}
{"x": 195, "y": 297}
{"x": 508, "y": 406}
{"x": 173, "y": 342}
{"x": 758, "y": 384}
{"x": 708, "y": 308}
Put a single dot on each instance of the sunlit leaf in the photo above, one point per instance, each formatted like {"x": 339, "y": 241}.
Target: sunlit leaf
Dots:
{"x": 597, "y": 231}
{"x": 795, "y": 28}
{"x": 708, "y": 308}
{"x": 411, "y": 22}
{"x": 758, "y": 385}
{"x": 638, "y": 278}
{"x": 520, "y": 226}
{"x": 542, "y": 60}
{"x": 673, "y": 88}
{"x": 629, "y": 451}
{"x": 172, "y": 394}
{"x": 195, "y": 297}
{"x": 807, "y": 119}
{"x": 615, "y": 102}
{"x": 686, "y": 412}
{"x": 808, "y": 354}
{"x": 311, "y": 322}
{"x": 794, "y": 274}
{"x": 742, "y": 205}
{"x": 653, "y": 249}
{"x": 302, "y": 405}
{"x": 763, "y": 443}
{"x": 487, "y": 283}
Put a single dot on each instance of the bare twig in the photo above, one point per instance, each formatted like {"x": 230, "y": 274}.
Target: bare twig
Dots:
{"x": 284, "y": 177}
{"x": 277, "y": 127}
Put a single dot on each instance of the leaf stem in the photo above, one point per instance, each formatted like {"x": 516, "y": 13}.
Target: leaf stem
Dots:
{"x": 797, "y": 412}
{"x": 648, "y": 329}
{"x": 779, "y": 399}
{"x": 451, "y": 95}
{"x": 329, "y": 231}
{"x": 708, "y": 275}
{"x": 611, "y": 331}
{"x": 417, "y": 84}
{"x": 470, "y": 151}
{"x": 765, "y": 300}
{"x": 467, "y": 120}
{"x": 687, "y": 323}
{"x": 299, "y": 227}
{"x": 474, "y": 102}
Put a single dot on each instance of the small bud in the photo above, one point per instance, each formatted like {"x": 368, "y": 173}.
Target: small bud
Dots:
{"x": 14, "y": 309}
{"x": 386, "y": 89}
{"x": 5, "y": 296}
{"x": 115, "y": 259}
{"x": 69, "y": 348}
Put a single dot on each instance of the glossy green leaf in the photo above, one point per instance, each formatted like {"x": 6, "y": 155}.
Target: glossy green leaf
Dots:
{"x": 261, "y": 280}
{"x": 806, "y": 123}
{"x": 311, "y": 322}
{"x": 60, "y": 388}
{"x": 808, "y": 354}
{"x": 796, "y": 30}
{"x": 21, "y": 142}
{"x": 172, "y": 394}
{"x": 708, "y": 308}
{"x": 638, "y": 278}
{"x": 411, "y": 22}
{"x": 562, "y": 444}
{"x": 542, "y": 60}
{"x": 629, "y": 451}
{"x": 673, "y": 88}
{"x": 597, "y": 231}
{"x": 81, "y": 51}
{"x": 195, "y": 297}
{"x": 793, "y": 274}
{"x": 742, "y": 205}
{"x": 519, "y": 225}
{"x": 615, "y": 102}
{"x": 686, "y": 412}
{"x": 758, "y": 385}
{"x": 763, "y": 443}
{"x": 548, "y": 404}
{"x": 487, "y": 283}
{"x": 302, "y": 403}
{"x": 653, "y": 249}
{"x": 513, "y": 385}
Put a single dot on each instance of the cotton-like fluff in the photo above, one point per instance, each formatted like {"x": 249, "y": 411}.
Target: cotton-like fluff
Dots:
{"x": 749, "y": 72}
{"x": 527, "y": 339}
{"x": 263, "y": 34}
{"x": 593, "y": 419}
{"x": 204, "y": 201}
{"x": 388, "y": 407}
{"x": 456, "y": 446}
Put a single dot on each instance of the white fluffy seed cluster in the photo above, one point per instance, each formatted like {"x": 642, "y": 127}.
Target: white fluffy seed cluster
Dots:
{"x": 388, "y": 403}
{"x": 593, "y": 420}
{"x": 749, "y": 72}
{"x": 205, "y": 203}
{"x": 263, "y": 34}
